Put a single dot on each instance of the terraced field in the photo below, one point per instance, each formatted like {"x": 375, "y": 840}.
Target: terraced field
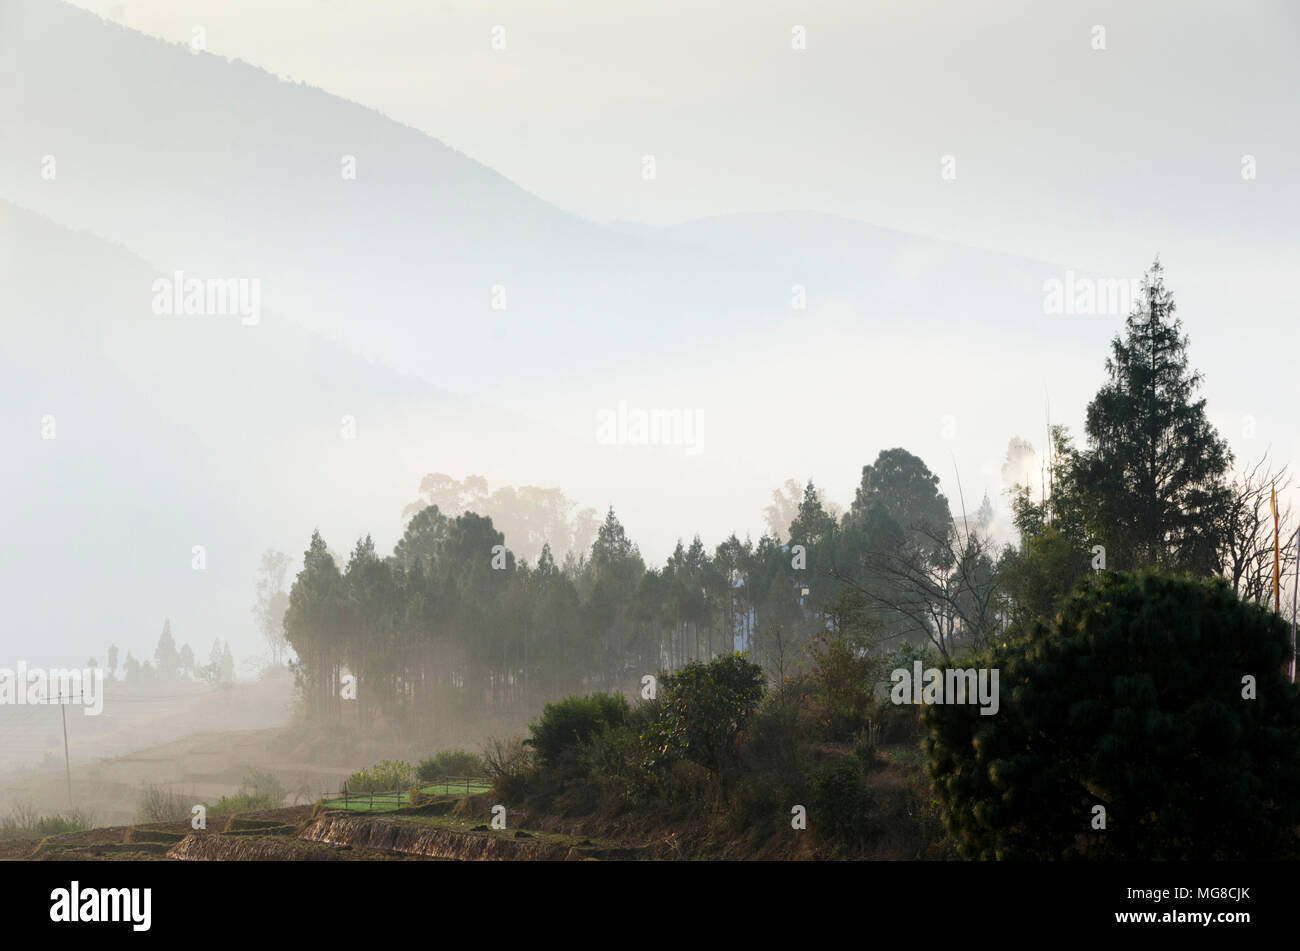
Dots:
{"x": 319, "y": 833}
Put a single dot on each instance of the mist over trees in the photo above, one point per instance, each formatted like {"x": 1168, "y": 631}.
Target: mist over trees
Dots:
{"x": 456, "y": 625}
{"x": 529, "y": 515}
{"x": 452, "y": 627}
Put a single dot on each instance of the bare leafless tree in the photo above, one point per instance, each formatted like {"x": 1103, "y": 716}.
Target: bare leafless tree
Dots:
{"x": 944, "y": 583}
{"x": 1246, "y": 536}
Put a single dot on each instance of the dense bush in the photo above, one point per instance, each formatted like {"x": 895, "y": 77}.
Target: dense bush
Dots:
{"x": 846, "y": 680}
{"x": 565, "y": 726}
{"x": 385, "y": 776}
{"x": 243, "y": 802}
{"x": 616, "y": 758}
{"x": 57, "y": 825}
{"x": 449, "y": 763}
{"x": 703, "y": 709}
{"x": 840, "y": 807}
{"x": 1130, "y": 699}
{"x": 772, "y": 772}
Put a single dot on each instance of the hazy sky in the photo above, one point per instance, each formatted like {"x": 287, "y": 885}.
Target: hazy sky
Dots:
{"x": 1084, "y": 157}
{"x": 1063, "y": 151}
{"x": 1087, "y": 158}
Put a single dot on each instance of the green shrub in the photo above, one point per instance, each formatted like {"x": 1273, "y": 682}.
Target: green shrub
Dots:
{"x": 616, "y": 757}
{"x": 704, "y": 707}
{"x": 449, "y": 763}
{"x": 841, "y": 806}
{"x": 1131, "y": 698}
{"x": 846, "y": 680}
{"x": 243, "y": 802}
{"x": 565, "y": 726}
{"x": 771, "y": 758}
{"x": 385, "y": 776}
{"x": 26, "y": 822}
{"x": 58, "y": 825}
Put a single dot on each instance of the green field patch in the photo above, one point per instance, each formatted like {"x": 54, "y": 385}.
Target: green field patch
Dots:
{"x": 387, "y": 802}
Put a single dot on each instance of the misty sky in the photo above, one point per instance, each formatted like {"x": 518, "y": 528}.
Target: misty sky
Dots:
{"x": 1064, "y": 152}
{"x": 1093, "y": 159}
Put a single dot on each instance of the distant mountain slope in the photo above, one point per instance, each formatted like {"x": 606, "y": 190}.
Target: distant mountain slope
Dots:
{"x": 132, "y": 437}
{"x": 220, "y": 169}
{"x": 183, "y": 430}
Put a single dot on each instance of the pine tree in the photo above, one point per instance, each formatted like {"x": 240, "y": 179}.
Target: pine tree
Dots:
{"x": 612, "y": 544}
{"x": 187, "y": 661}
{"x": 1153, "y": 476}
{"x": 813, "y": 524}
{"x": 213, "y": 670}
{"x": 227, "y": 665}
{"x": 165, "y": 653}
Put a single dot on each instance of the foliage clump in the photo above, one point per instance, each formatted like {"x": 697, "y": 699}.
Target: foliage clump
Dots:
{"x": 449, "y": 763}
{"x": 1136, "y": 698}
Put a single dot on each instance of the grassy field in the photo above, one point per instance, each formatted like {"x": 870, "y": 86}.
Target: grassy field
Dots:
{"x": 382, "y": 802}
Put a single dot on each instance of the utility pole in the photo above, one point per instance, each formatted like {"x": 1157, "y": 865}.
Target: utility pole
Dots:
{"x": 67, "y": 762}
{"x": 1295, "y": 588}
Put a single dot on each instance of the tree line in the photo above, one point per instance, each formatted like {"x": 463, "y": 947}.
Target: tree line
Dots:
{"x": 453, "y": 627}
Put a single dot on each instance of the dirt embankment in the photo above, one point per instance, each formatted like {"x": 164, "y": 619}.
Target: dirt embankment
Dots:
{"x": 414, "y": 839}
{"x": 270, "y": 848}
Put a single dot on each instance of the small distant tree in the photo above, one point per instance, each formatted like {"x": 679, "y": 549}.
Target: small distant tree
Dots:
{"x": 272, "y": 601}
{"x": 227, "y": 665}
{"x": 215, "y": 670}
{"x": 187, "y": 661}
{"x": 112, "y": 661}
{"x": 165, "y": 654}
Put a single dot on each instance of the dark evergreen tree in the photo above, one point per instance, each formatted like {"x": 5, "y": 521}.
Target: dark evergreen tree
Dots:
{"x": 1154, "y": 475}
{"x": 1161, "y": 699}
